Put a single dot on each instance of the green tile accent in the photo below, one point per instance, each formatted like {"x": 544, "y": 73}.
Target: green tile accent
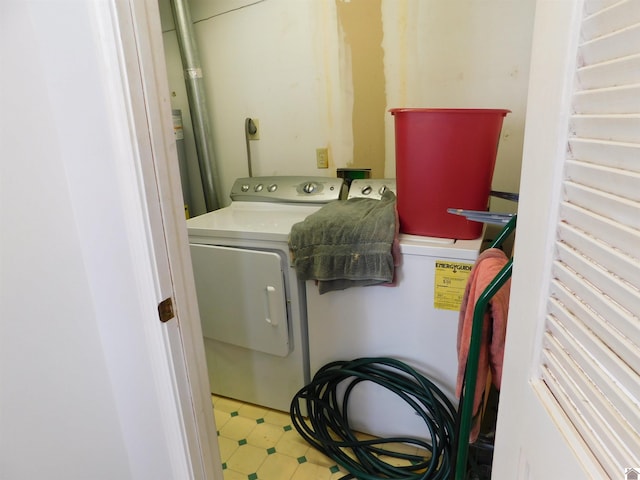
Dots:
{"x": 334, "y": 469}
{"x": 234, "y": 414}
{"x": 286, "y": 428}
{"x": 253, "y": 476}
{"x": 302, "y": 459}
{"x": 260, "y": 420}
{"x": 271, "y": 451}
{"x": 242, "y": 442}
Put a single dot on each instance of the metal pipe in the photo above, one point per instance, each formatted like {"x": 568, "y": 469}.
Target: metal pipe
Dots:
{"x": 197, "y": 102}
{"x": 249, "y": 129}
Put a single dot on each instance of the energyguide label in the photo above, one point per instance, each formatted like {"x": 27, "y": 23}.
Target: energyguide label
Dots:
{"x": 449, "y": 284}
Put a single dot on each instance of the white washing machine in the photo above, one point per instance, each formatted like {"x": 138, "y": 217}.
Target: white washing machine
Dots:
{"x": 415, "y": 321}
{"x": 252, "y": 306}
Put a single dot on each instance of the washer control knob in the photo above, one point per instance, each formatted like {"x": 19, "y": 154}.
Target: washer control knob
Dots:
{"x": 258, "y": 187}
{"x": 367, "y": 190}
{"x": 244, "y": 187}
{"x": 272, "y": 188}
{"x": 309, "y": 187}
{"x": 383, "y": 189}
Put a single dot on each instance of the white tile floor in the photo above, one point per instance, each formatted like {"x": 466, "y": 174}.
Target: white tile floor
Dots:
{"x": 257, "y": 443}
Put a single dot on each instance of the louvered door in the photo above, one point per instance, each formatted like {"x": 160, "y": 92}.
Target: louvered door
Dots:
{"x": 584, "y": 369}
{"x": 591, "y": 348}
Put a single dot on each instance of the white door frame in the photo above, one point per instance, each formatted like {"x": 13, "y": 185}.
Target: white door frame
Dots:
{"x": 132, "y": 42}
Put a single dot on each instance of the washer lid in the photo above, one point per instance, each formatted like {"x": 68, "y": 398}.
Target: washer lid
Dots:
{"x": 257, "y": 220}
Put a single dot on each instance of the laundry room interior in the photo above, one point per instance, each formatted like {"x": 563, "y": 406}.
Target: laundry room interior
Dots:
{"x": 318, "y": 80}
{"x": 113, "y": 361}
{"x": 324, "y": 74}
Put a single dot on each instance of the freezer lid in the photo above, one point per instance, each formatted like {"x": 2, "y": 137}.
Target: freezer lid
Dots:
{"x": 440, "y": 247}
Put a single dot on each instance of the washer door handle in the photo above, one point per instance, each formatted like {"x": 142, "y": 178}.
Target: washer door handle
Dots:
{"x": 269, "y": 291}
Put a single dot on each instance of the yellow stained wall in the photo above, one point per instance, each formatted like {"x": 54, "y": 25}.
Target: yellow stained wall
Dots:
{"x": 324, "y": 73}
{"x": 361, "y": 24}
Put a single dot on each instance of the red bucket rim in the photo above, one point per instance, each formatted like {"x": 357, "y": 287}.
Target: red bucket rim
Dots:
{"x": 503, "y": 112}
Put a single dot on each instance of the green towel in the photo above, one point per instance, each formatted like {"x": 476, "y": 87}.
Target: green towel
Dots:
{"x": 346, "y": 243}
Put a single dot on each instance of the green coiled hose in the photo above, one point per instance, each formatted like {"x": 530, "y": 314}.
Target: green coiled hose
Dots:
{"x": 328, "y": 428}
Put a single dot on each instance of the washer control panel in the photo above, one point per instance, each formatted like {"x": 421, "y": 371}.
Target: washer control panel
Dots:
{"x": 288, "y": 189}
{"x": 371, "y": 187}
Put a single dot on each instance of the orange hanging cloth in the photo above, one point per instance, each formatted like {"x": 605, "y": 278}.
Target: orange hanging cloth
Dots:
{"x": 487, "y": 266}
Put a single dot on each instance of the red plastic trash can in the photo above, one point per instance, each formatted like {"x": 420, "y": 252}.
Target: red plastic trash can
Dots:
{"x": 444, "y": 159}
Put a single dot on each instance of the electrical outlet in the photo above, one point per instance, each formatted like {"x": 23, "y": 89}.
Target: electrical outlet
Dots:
{"x": 256, "y": 135}
{"x": 322, "y": 157}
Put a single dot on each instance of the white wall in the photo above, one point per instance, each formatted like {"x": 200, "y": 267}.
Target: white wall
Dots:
{"x": 79, "y": 398}
{"x": 296, "y": 66}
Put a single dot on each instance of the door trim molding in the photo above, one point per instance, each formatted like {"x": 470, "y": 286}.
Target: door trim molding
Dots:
{"x": 137, "y": 55}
